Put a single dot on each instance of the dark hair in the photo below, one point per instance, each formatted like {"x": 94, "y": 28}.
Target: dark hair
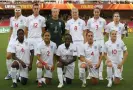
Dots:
{"x": 44, "y": 33}
{"x": 35, "y": 4}
{"x": 69, "y": 36}
{"x": 97, "y": 8}
{"x": 20, "y": 30}
{"x": 116, "y": 13}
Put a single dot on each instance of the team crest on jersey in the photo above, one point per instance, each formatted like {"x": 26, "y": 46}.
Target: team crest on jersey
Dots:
{"x": 39, "y": 20}
{"x": 117, "y": 45}
{"x": 79, "y": 23}
{"x": 100, "y": 22}
{"x": 59, "y": 24}
{"x": 51, "y": 47}
{"x": 21, "y": 21}
{"x": 95, "y": 47}
{"x": 71, "y": 50}
{"x": 119, "y": 28}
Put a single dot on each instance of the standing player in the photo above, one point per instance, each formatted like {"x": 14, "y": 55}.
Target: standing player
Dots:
{"x": 77, "y": 29}
{"x": 35, "y": 27}
{"x": 91, "y": 57}
{"x": 114, "y": 62}
{"x": 46, "y": 50}
{"x": 16, "y": 22}
{"x": 22, "y": 54}
{"x": 56, "y": 27}
{"x": 97, "y": 26}
{"x": 119, "y": 27}
{"x": 66, "y": 55}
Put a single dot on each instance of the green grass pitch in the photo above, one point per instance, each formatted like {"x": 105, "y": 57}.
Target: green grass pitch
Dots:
{"x": 126, "y": 84}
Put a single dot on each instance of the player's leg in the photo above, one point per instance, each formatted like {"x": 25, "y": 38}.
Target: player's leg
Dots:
{"x": 82, "y": 73}
{"x": 14, "y": 67}
{"x": 109, "y": 73}
{"x": 60, "y": 74}
{"x": 101, "y": 42}
{"x": 94, "y": 75}
{"x": 39, "y": 73}
{"x": 117, "y": 74}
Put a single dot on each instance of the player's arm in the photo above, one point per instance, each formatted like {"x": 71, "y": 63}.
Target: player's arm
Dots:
{"x": 10, "y": 33}
{"x": 26, "y": 32}
{"x": 43, "y": 26}
{"x": 67, "y": 27}
{"x": 84, "y": 35}
{"x": 31, "y": 59}
{"x": 100, "y": 60}
{"x": 63, "y": 28}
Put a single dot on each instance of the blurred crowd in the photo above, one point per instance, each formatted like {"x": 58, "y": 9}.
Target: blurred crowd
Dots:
{"x": 69, "y": 1}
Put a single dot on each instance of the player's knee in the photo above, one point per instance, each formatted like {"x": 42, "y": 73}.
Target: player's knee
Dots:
{"x": 117, "y": 80}
{"x": 39, "y": 65}
{"x": 48, "y": 81}
{"x": 15, "y": 65}
{"x": 83, "y": 65}
{"x": 24, "y": 80}
{"x": 59, "y": 64}
{"x": 94, "y": 81}
{"x": 68, "y": 81}
{"x": 8, "y": 56}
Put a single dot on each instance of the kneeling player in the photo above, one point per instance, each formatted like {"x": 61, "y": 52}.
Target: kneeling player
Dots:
{"x": 66, "y": 55}
{"x": 90, "y": 55}
{"x": 45, "y": 53}
{"x": 113, "y": 49}
{"x": 22, "y": 54}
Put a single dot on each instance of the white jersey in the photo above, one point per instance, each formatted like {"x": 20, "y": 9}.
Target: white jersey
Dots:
{"x": 17, "y": 24}
{"x": 119, "y": 28}
{"x": 114, "y": 50}
{"x": 91, "y": 53}
{"x": 76, "y": 29}
{"x": 66, "y": 54}
{"x": 35, "y": 25}
{"x": 22, "y": 51}
{"x": 47, "y": 52}
{"x": 97, "y": 27}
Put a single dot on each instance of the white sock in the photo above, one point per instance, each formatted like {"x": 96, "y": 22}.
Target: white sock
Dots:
{"x": 43, "y": 80}
{"x": 13, "y": 74}
{"x": 8, "y": 64}
{"x": 101, "y": 69}
{"x": 82, "y": 74}
{"x": 60, "y": 75}
{"x": 39, "y": 74}
{"x": 109, "y": 72}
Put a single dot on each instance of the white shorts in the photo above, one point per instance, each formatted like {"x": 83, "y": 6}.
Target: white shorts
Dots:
{"x": 23, "y": 71}
{"x": 35, "y": 42}
{"x": 69, "y": 71}
{"x": 47, "y": 73}
{"x": 11, "y": 42}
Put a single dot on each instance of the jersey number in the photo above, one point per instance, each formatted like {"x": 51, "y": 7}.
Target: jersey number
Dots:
{"x": 114, "y": 51}
{"x": 48, "y": 53}
{"x": 35, "y": 25}
{"x": 96, "y": 27}
{"x": 75, "y": 28}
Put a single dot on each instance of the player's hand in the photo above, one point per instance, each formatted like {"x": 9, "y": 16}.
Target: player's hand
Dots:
{"x": 119, "y": 66}
{"x": 108, "y": 61}
{"x": 52, "y": 68}
{"x": 47, "y": 67}
{"x": 30, "y": 67}
{"x": 89, "y": 63}
{"x": 97, "y": 66}
{"x": 22, "y": 63}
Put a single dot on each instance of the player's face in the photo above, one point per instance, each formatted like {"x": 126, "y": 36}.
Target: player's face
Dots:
{"x": 67, "y": 40}
{"x": 96, "y": 12}
{"x": 90, "y": 37}
{"x": 55, "y": 12}
{"x": 113, "y": 35}
{"x": 47, "y": 37}
{"x": 75, "y": 13}
{"x": 17, "y": 11}
{"x": 20, "y": 35}
{"x": 36, "y": 9}
{"x": 116, "y": 17}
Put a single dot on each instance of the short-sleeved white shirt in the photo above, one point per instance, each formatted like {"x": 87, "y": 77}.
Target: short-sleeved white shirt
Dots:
{"x": 97, "y": 27}
{"x": 22, "y": 50}
{"x": 119, "y": 28}
{"x": 35, "y": 25}
{"x": 47, "y": 52}
{"x": 76, "y": 28}
{"x": 66, "y": 54}
{"x": 17, "y": 24}
{"x": 91, "y": 53}
{"x": 114, "y": 50}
